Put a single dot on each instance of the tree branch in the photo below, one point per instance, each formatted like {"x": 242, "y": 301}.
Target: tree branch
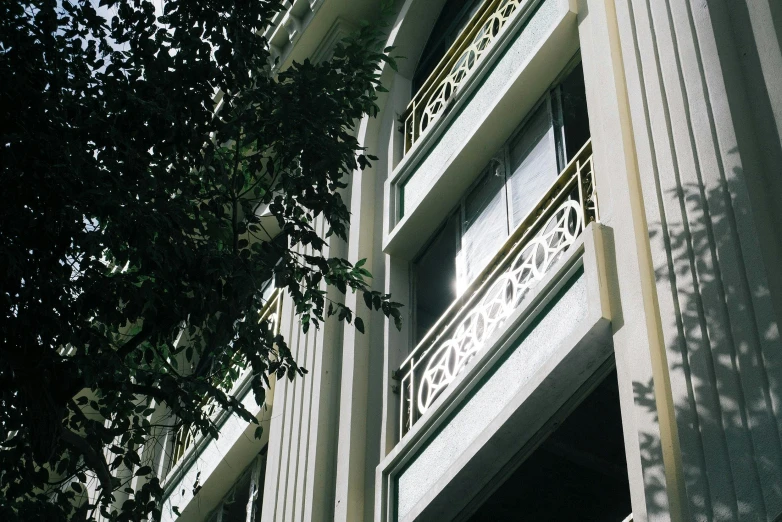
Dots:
{"x": 150, "y": 391}
{"x": 91, "y": 457}
{"x": 134, "y": 343}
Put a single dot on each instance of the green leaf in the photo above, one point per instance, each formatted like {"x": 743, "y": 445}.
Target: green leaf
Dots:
{"x": 137, "y": 191}
{"x": 359, "y": 324}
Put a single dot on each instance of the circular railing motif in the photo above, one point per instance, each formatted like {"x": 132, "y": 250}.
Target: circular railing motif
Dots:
{"x": 467, "y": 61}
{"x": 500, "y": 300}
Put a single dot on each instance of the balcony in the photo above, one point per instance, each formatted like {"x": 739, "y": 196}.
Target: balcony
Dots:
{"x": 185, "y": 437}
{"x": 437, "y": 94}
{"x": 554, "y": 224}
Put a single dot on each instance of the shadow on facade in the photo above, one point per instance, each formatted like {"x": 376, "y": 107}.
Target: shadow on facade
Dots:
{"x": 724, "y": 385}
{"x": 722, "y": 335}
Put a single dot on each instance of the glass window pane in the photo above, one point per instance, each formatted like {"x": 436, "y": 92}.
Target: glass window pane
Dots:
{"x": 434, "y": 276}
{"x": 533, "y": 163}
{"x": 235, "y": 507}
{"x": 257, "y": 485}
{"x": 574, "y": 112}
{"x": 485, "y": 226}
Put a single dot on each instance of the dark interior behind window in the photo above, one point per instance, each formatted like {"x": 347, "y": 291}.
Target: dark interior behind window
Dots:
{"x": 509, "y": 188}
{"x": 574, "y": 111}
{"x": 434, "y": 275}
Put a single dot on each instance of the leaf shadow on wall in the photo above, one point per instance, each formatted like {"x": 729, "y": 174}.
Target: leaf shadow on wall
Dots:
{"x": 725, "y": 385}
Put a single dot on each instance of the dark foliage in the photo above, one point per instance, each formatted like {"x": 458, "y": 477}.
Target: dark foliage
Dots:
{"x": 137, "y": 155}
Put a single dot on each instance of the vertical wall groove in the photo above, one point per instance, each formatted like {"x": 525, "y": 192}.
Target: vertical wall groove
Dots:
{"x": 742, "y": 326}
{"x": 750, "y": 375}
{"x": 757, "y": 342}
{"x": 669, "y": 270}
{"x": 710, "y": 277}
{"x": 300, "y": 470}
{"x": 704, "y": 267}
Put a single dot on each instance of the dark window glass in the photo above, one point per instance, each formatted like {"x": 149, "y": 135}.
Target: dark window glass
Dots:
{"x": 235, "y": 509}
{"x": 434, "y": 275}
{"x": 244, "y": 500}
{"x": 258, "y": 486}
{"x": 574, "y": 111}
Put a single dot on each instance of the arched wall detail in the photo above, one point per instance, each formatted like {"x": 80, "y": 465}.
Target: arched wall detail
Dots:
{"x": 365, "y": 434}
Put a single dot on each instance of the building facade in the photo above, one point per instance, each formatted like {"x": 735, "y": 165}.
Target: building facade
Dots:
{"x": 576, "y": 202}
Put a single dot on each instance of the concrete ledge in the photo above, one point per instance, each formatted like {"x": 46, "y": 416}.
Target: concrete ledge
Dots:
{"x": 568, "y": 367}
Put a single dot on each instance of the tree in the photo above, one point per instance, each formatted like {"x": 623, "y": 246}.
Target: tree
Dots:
{"x": 138, "y": 154}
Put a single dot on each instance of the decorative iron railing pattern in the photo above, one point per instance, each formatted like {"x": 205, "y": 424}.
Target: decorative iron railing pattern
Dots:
{"x": 534, "y": 247}
{"x": 185, "y": 436}
{"x": 469, "y": 49}
{"x": 183, "y": 441}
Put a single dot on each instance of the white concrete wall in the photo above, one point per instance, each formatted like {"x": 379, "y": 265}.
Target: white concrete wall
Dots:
{"x": 687, "y": 141}
{"x": 300, "y": 470}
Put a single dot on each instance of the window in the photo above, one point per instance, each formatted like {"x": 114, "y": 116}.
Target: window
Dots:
{"x": 533, "y": 164}
{"x": 506, "y": 191}
{"x": 484, "y": 223}
{"x": 243, "y": 502}
{"x": 434, "y": 277}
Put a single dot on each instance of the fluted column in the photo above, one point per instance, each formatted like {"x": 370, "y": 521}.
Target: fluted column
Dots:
{"x": 703, "y": 80}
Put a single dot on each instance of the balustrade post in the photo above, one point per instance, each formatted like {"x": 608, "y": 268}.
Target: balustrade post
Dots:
{"x": 581, "y": 199}
{"x": 593, "y": 194}
{"x": 404, "y": 394}
{"x": 416, "y": 122}
{"x": 412, "y": 393}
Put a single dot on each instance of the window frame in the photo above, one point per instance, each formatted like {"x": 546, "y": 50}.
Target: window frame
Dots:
{"x": 256, "y": 471}
{"x": 506, "y": 147}
{"x": 553, "y": 98}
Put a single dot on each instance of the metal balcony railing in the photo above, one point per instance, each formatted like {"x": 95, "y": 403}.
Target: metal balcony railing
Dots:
{"x": 531, "y": 250}
{"x": 460, "y": 61}
{"x": 185, "y": 437}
